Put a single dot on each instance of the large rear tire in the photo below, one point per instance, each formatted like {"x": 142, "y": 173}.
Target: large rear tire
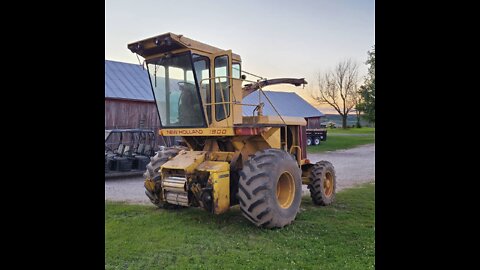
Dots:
{"x": 323, "y": 183}
{"x": 270, "y": 189}
{"x": 152, "y": 175}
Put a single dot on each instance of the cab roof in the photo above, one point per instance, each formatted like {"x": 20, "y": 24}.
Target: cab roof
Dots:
{"x": 170, "y": 42}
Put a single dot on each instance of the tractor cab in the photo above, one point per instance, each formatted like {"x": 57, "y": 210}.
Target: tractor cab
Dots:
{"x": 193, "y": 83}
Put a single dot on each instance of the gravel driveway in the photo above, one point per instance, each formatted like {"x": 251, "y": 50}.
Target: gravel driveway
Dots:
{"x": 353, "y": 166}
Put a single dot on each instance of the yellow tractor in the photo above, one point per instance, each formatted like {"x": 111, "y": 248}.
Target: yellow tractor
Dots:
{"x": 258, "y": 161}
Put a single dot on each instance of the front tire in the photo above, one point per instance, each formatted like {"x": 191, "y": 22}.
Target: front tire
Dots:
{"x": 152, "y": 176}
{"x": 270, "y": 189}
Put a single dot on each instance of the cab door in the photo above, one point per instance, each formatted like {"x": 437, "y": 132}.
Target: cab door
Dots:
{"x": 222, "y": 112}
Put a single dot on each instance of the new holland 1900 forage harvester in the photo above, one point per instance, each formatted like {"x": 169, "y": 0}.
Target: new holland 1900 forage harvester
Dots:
{"x": 259, "y": 162}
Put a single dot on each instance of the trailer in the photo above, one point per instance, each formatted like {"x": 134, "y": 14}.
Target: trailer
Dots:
{"x": 316, "y": 132}
{"x": 315, "y": 136}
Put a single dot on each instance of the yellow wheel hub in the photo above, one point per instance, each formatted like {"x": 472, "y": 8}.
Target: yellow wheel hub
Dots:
{"x": 328, "y": 184}
{"x": 285, "y": 190}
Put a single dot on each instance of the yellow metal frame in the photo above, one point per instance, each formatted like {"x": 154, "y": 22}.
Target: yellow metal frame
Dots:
{"x": 220, "y": 180}
{"x": 185, "y": 160}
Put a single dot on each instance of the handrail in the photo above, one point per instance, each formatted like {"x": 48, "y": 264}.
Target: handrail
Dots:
{"x": 221, "y": 94}
{"x": 234, "y": 102}
{"x": 223, "y": 101}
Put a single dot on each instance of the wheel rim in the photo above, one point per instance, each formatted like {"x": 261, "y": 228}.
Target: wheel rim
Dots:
{"x": 309, "y": 142}
{"x": 328, "y": 184}
{"x": 285, "y": 190}
{"x": 317, "y": 141}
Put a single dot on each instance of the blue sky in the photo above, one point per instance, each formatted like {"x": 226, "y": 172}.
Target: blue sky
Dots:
{"x": 274, "y": 38}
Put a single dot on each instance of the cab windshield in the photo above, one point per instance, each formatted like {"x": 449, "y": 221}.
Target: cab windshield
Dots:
{"x": 175, "y": 88}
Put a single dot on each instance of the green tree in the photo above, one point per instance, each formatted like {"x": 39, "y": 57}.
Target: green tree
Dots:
{"x": 367, "y": 91}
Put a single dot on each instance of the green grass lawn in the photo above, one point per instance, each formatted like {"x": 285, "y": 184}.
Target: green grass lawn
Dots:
{"x": 365, "y": 130}
{"x": 340, "y": 142}
{"x": 340, "y": 236}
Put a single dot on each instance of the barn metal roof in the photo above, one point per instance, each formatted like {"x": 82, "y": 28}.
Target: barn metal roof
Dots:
{"x": 126, "y": 81}
{"x": 286, "y": 103}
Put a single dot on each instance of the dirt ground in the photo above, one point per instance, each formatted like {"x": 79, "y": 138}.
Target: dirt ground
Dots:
{"x": 353, "y": 166}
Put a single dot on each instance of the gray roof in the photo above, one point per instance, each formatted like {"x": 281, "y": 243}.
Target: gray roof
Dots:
{"x": 286, "y": 103}
{"x": 126, "y": 81}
